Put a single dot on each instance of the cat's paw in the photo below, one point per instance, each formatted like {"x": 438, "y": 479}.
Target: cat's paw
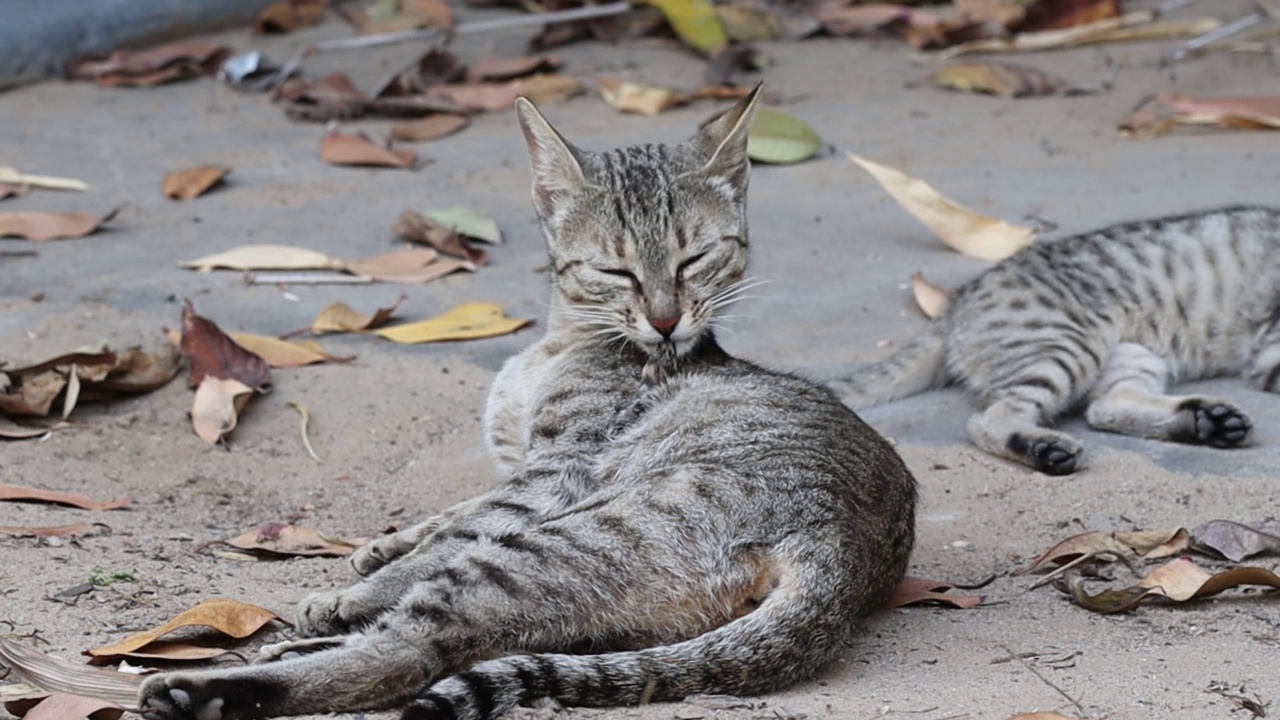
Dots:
{"x": 182, "y": 696}
{"x": 1050, "y": 453}
{"x": 321, "y": 615}
{"x": 376, "y": 554}
{"x": 296, "y": 648}
{"x": 1214, "y": 422}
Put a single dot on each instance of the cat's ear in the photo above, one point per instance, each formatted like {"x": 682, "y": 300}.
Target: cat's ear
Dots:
{"x": 556, "y": 170}
{"x": 723, "y": 141}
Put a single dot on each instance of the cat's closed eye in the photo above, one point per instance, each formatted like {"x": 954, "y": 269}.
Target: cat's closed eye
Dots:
{"x": 619, "y": 272}
{"x": 687, "y": 264}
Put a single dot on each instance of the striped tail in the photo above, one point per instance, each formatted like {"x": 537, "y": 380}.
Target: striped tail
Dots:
{"x": 783, "y": 641}
{"x": 914, "y": 368}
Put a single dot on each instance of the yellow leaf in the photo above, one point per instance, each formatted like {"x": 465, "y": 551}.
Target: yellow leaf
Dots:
{"x": 696, "y": 22}
{"x": 634, "y": 97}
{"x": 931, "y": 298}
{"x": 962, "y": 229}
{"x": 465, "y": 322}
{"x": 214, "y": 412}
{"x": 284, "y": 353}
{"x": 266, "y": 257}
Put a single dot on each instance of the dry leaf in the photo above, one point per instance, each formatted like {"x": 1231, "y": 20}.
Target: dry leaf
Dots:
{"x": 416, "y": 265}
{"x": 13, "y": 431}
{"x": 32, "y": 391}
{"x": 1005, "y": 80}
{"x": 279, "y": 539}
{"x": 226, "y": 616}
{"x": 59, "y": 531}
{"x": 481, "y": 97}
{"x": 214, "y": 354}
{"x": 168, "y": 651}
{"x": 339, "y": 317}
{"x": 1141, "y": 544}
{"x": 465, "y": 322}
{"x": 494, "y": 68}
{"x": 419, "y": 228}
{"x": 544, "y": 89}
{"x": 23, "y": 494}
{"x": 146, "y": 68}
{"x": 8, "y": 190}
{"x": 286, "y": 353}
{"x": 922, "y": 28}
{"x": 134, "y": 371}
{"x": 962, "y": 229}
{"x": 63, "y": 706}
{"x": 188, "y": 184}
{"x": 359, "y": 149}
{"x": 53, "y": 674}
{"x": 431, "y": 127}
{"x": 467, "y": 221}
{"x": 1058, "y": 14}
{"x": 215, "y": 411}
{"x": 51, "y": 226}
{"x": 634, "y": 97}
{"x": 265, "y": 257}
{"x": 931, "y": 298}
{"x": 914, "y": 591}
{"x": 1233, "y": 540}
{"x": 11, "y": 176}
{"x": 289, "y": 15}
{"x": 1130, "y": 27}
{"x": 1157, "y": 115}
{"x": 747, "y": 21}
{"x": 1178, "y": 580}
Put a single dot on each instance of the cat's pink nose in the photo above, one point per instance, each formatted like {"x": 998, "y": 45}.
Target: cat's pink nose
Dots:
{"x": 665, "y": 325}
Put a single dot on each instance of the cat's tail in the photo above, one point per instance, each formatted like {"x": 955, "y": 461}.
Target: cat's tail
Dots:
{"x": 915, "y": 367}
{"x": 788, "y": 638}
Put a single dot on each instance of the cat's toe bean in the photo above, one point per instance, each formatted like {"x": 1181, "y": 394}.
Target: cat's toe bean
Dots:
{"x": 1052, "y": 457}
{"x": 175, "y": 697}
{"x": 1217, "y": 424}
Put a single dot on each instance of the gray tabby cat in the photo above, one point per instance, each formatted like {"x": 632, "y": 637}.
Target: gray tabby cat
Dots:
{"x": 1109, "y": 318}
{"x": 673, "y": 520}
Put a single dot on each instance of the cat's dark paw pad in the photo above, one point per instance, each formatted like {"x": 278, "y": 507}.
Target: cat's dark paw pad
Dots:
{"x": 1050, "y": 454}
{"x": 1217, "y": 423}
{"x": 174, "y": 696}
{"x": 320, "y": 615}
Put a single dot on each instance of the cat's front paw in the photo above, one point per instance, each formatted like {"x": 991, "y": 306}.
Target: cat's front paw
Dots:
{"x": 321, "y": 615}
{"x": 1214, "y": 422}
{"x": 182, "y": 696}
{"x": 1049, "y": 452}
{"x": 377, "y": 553}
{"x": 296, "y": 648}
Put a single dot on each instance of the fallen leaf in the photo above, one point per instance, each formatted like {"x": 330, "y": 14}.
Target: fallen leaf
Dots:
{"x": 781, "y": 139}
{"x": 8, "y": 190}
{"x": 931, "y": 298}
{"x": 358, "y": 149}
{"x": 280, "y": 539}
{"x": 56, "y": 675}
{"x": 340, "y": 317}
{"x": 412, "y": 266}
{"x": 496, "y": 68}
{"x": 433, "y": 68}
{"x": 1130, "y": 27}
{"x": 216, "y": 409}
{"x": 289, "y": 15}
{"x": 1140, "y": 544}
{"x": 13, "y": 431}
{"x": 63, "y": 706}
{"x": 306, "y": 422}
{"x": 32, "y": 391}
{"x": 914, "y": 591}
{"x": 1005, "y": 80}
{"x": 418, "y": 228}
{"x": 214, "y": 354}
{"x": 24, "y": 494}
{"x": 465, "y": 322}
{"x": 189, "y": 184}
{"x": 11, "y": 176}
{"x": 224, "y": 615}
{"x": 695, "y": 22}
{"x": 51, "y": 226}
{"x": 1233, "y": 540}
{"x": 285, "y": 353}
{"x": 168, "y": 651}
{"x": 962, "y": 229}
{"x": 146, "y": 68}
{"x": 1178, "y": 580}
{"x": 467, "y": 221}
{"x": 634, "y": 97}
{"x": 922, "y": 28}
{"x": 544, "y": 89}
{"x": 390, "y": 16}
{"x": 59, "y": 531}
{"x": 1058, "y": 14}
{"x": 265, "y": 257}
{"x": 1158, "y": 114}
{"x": 134, "y": 371}
{"x": 431, "y": 127}
{"x": 480, "y": 97}
{"x": 747, "y": 21}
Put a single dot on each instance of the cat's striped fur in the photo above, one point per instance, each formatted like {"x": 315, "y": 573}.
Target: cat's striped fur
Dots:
{"x": 674, "y": 520}
{"x": 1109, "y": 318}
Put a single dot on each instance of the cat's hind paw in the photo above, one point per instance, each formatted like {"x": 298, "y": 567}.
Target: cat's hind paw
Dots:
{"x": 183, "y": 696}
{"x": 1216, "y": 423}
{"x": 1050, "y": 453}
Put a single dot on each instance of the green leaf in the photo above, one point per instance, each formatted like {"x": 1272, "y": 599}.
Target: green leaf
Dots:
{"x": 467, "y": 221}
{"x": 781, "y": 139}
{"x": 696, "y": 22}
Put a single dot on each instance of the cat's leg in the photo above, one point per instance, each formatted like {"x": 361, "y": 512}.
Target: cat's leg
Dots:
{"x": 1130, "y": 399}
{"x": 1263, "y": 368}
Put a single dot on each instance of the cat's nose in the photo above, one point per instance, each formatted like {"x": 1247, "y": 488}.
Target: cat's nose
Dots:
{"x": 665, "y": 325}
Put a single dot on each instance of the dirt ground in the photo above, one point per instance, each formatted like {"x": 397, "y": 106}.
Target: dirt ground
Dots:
{"x": 398, "y": 430}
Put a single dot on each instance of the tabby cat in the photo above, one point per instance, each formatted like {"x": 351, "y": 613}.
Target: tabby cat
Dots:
{"x": 673, "y": 520}
{"x": 1109, "y": 318}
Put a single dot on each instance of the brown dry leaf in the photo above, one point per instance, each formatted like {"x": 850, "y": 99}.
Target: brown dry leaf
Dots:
{"x": 1158, "y": 114}
{"x": 465, "y": 322}
{"x": 340, "y": 317}
{"x": 553, "y": 88}
{"x": 914, "y": 590}
{"x": 32, "y": 391}
{"x": 431, "y": 127}
{"x": 168, "y": 651}
{"x": 418, "y": 228}
{"x": 13, "y": 431}
{"x": 481, "y": 97}
{"x": 53, "y": 674}
{"x": 214, "y": 354}
{"x": 931, "y": 298}
{"x": 747, "y": 21}
{"x": 359, "y": 149}
{"x": 921, "y": 28}
{"x": 1130, "y": 27}
{"x": 416, "y": 265}
{"x": 146, "y": 68}
{"x": 494, "y": 68}
{"x": 1005, "y": 80}
{"x": 192, "y": 183}
{"x": 286, "y": 353}
{"x": 962, "y": 229}
{"x": 265, "y": 257}
{"x": 1178, "y": 580}
{"x": 229, "y": 617}
{"x": 134, "y": 371}
{"x": 280, "y": 539}
{"x": 1141, "y": 544}
{"x": 63, "y": 706}
{"x": 289, "y": 15}
{"x": 24, "y": 494}
{"x": 391, "y": 17}
{"x": 216, "y": 409}
{"x": 1232, "y": 540}
{"x": 1043, "y": 15}
{"x": 31, "y": 394}
{"x": 59, "y": 531}
{"x": 634, "y": 97}
{"x": 8, "y": 190}
{"x": 51, "y": 226}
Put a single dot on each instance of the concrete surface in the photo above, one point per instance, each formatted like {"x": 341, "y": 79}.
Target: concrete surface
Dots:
{"x": 398, "y": 430}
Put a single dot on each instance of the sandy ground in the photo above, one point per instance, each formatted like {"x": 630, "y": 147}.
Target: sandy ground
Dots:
{"x": 398, "y": 430}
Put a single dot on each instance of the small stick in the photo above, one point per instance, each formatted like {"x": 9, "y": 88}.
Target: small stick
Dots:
{"x": 1074, "y": 702}
{"x": 306, "y": 420}
{"x": 1213, "y": 36}
{"x": 304, "y": 278}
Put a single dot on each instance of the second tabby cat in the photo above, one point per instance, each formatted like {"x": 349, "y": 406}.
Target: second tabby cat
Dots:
{"x": 1110, "y": 318}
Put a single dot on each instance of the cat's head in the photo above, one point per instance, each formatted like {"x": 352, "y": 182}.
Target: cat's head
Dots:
{"x": 648, "y": 242}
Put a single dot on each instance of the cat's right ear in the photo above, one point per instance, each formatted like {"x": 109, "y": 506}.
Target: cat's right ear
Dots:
{"x": 556, "y": 170}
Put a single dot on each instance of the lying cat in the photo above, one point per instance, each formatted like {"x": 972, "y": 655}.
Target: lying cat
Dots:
{"x": 672, "y": 521}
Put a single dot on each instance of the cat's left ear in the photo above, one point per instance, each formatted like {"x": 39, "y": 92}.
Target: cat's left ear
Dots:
{"x": 723, "y": 141}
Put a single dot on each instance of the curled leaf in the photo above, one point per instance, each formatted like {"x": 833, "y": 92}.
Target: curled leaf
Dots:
{"x": 1158, "y": 115}
{"x": 215, "y": 411}
{"x": 962, "y": 229}
{"x": 288, "y": 15}
{"x": 418, "y": 228}
{"x": 1233, "y": 541}
{"x": 54, "y": 674}
{"x": 467, "y": 221}
{"x": 285, "y": 353}
{"x": 931, "y": 298}
{"x": 1005, "y": 80}
{"x": 415, "y": 265}
{"x": 431, "y": 127}
{"x": 280, "y": 539}
{"x": 914, "y": 591}
{"x": 189, "y": 184}
{"x": 1178, "y": 580}
{"x": 84, "y": 502}
{"x": 228, "y": 617}
{"x": 778, "y": 138}
{"x": 360, "y": 149}
{"x": 634, "y": 97}
{"x": 162, "y": 64}
{"x": 1140, "y": 544}
{"x": 465, "y": 322}
{"x": 495, "y": 68}
{"x": 39, "y": 227}
{"x": 214, "y": 354}
{"x": 265, "y": 257}
{"x": 340, "y": 317}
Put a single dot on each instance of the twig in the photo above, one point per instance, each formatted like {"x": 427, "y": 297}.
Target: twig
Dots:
{"x": 1220, "y": 33}
{"x": 306, "y": 420}
{"x": 1074, "y": 702}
